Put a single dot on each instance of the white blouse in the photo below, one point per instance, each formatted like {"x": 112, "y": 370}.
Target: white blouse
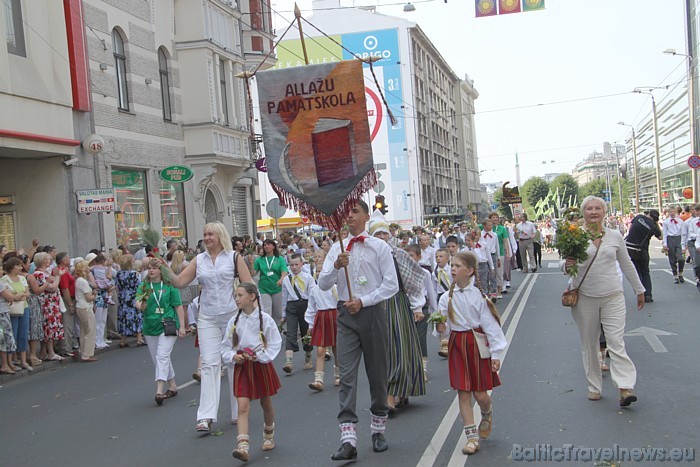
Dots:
{"x": 603, "y": 279}
{"x": 216, "y": 280}
{"x": 248, "y": 330}
{"x": 471, "y": 311}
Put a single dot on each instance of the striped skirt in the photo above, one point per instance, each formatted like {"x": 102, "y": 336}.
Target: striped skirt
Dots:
{"x": 405, "y": 362}
{"x": 325, "y": 328}
{"x": 255, "y": 380}
{"x": 468, "y": 371}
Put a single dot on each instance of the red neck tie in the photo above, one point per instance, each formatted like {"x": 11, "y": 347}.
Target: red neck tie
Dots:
{"x": 487, "y": 235}
{"x": 478, "y": 245}
{"x": 353, "y": 240}
{"x": 674, "y": 221}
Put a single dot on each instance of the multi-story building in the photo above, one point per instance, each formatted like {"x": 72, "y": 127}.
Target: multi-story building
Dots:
{"x": 44, "y": 116}
{"x": 673, "y": 132}
{"x": 427, "y": 161}
{"x": 601, "y": 164}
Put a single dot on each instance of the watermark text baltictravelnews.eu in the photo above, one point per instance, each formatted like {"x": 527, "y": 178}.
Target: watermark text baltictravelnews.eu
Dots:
{"x": 570, "y": 452}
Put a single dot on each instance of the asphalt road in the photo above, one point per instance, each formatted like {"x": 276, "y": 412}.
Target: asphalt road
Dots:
{"x": 103, "y": 414}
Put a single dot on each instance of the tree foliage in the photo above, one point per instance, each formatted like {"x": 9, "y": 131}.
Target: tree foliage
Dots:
{"x": 533, "y": 190}
{"x": 598, "y": 187}
{"x": 567, "y": 184}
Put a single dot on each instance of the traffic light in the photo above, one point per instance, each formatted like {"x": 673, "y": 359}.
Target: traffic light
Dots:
{"x": 380, "y": 204}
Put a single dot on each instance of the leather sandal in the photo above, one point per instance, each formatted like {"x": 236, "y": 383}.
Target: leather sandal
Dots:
{"x": 485, "y": 425}
{"x": 160, "y": 398}
{"x": 316, "y": 385}
{"x": 170, "y": 393}
{"x": 471, "y": 447}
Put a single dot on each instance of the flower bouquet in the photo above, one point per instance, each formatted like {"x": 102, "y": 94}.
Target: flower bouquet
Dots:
{"x": 306, "y": 340}
{"x": 143, "y": 293}
{"x": 247, "y": 351}
{"x": 572, "y": 241}
{"x": 437, "y": 318}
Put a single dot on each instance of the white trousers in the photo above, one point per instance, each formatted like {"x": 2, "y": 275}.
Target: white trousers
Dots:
{"x": 100, "y": 323}
{"x": 589, "y": 313}
{"x": 160, "y": 348}
{"x": 211, "y": 330}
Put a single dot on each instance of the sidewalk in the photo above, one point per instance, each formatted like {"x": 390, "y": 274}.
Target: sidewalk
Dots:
{"x": 50, "y": 365}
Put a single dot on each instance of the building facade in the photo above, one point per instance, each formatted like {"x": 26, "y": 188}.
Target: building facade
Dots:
{"x": 603, "y": 164}
{"x": 149, "y": 84}
{"x": 674, "y": 145}
{"x": 44, "y": 115}
{"x": 427, "y": 161}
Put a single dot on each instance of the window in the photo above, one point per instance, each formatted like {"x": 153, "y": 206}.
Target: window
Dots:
{"x": 165, "y": 85}
{"x": 120, "y": 64}
{"x": 14, "y": 28}
{"x": 224, "y": 97}
{"x": 132, "y": 202}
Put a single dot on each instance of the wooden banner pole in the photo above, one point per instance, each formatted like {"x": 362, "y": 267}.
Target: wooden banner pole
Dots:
{"x": 347, "y": 276}
{"x": 297, "y": 14}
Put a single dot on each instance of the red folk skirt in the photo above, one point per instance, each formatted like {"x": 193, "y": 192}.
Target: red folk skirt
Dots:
{"x": 468, "y": 371}
{"x": 255, "y": 380}
{"x": 325, "y": 328}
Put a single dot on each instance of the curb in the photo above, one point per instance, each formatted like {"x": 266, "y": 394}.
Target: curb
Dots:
{"x": 49, "y": 365}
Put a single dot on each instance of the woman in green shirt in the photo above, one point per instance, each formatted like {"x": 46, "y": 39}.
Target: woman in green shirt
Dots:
{"x": 273, "y": 269}
{"x": 159, "y": 301}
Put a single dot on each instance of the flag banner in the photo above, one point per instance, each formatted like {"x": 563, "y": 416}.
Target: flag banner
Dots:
{"x": 531, "y": 5}
{"x": 508, "y": 6}
{"x": 317, "y": 138}
{"x": 485, "y": 8}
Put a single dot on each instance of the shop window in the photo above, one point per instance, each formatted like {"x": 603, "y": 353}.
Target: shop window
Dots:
{"x": 132, "y": 204}
{"x": 172, "y": 210}
{"x": 14, "y": 28}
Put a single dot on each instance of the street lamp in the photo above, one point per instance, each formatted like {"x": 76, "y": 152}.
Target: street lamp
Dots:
{"x": 650, "y": 90}
{"x": 691, "y": 116}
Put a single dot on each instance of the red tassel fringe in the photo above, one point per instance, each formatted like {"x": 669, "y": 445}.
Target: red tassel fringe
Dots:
{"x": 335, "y": 221}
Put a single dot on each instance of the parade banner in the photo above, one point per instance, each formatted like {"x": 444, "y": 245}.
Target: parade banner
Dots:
{"x": 532, "y": 5}
{"x": 317, "y": 138}
{"x": 508, "y": 6}
{"x": 485, "y": 8}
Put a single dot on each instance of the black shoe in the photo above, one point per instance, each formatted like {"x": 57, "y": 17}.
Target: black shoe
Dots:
{"x": 648, "y": 300}
{"x": 534, "y": 270}
{"x": 682, "y": 279}
{"x": 675, "y": 281}
{"x": 346, "y": 452}
{"x": 379, "y": 442}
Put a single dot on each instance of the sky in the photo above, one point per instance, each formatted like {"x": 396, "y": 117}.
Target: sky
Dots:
{"x": 578, "y": 50}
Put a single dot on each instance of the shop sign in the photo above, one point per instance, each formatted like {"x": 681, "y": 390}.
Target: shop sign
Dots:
{"x": 102, "y": 200}
{"x": 176, "y": 174}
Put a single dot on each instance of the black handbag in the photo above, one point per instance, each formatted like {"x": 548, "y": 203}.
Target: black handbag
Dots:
{"x": 169, "y": 327}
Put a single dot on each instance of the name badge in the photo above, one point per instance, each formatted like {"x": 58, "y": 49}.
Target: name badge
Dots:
{"x": 361, "y": 280}
{"x": 270, "y": 273}
{"x": 160, "y": 311}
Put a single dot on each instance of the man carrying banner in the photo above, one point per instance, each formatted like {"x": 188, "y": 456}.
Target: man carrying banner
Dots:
{"x": 362, "y": 325}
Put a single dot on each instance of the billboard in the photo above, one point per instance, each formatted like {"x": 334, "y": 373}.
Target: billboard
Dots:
{"x": 388, "y": 143}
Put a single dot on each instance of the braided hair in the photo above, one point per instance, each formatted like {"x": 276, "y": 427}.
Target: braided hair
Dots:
{"x": 251, "y": 289}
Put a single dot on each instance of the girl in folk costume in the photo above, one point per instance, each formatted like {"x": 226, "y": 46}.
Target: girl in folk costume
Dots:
{"x": 321, "y": 314}
{"x": 470, "y": 315}
{"x": 252, "y": 341}
{"x": 406, "y": 375}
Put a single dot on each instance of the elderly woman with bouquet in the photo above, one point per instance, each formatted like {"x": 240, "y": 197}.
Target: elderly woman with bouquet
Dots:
{"x": 600, "y": 297}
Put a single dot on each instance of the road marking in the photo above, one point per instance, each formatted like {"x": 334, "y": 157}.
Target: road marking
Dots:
{"x": 437, "y": 442}
{"x": 553, "y": 265}
{"x": 189, "y": 383}
{"x": 652, "y": 337}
